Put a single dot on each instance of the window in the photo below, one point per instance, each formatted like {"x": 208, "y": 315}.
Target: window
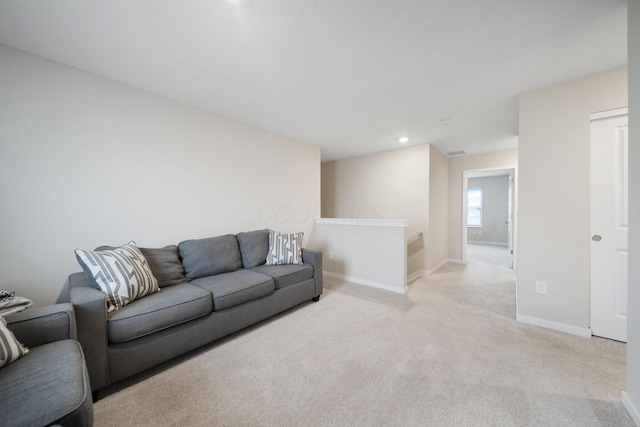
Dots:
{"x": 474, "y": 207}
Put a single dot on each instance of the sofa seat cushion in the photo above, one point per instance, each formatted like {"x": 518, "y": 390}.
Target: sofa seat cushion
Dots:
{"x": 237, "y": 287}
{"x": 172, "y": 306}
{"x": 286, "y": 275}
{"x": 48, "y": 385}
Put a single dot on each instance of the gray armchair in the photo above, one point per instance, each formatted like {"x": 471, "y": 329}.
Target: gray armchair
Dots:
{"x": 50, "y": 384}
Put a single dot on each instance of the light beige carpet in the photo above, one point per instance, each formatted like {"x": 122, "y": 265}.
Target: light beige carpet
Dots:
{"x": 492, "y": 254}
{"x": 447, "y": 354}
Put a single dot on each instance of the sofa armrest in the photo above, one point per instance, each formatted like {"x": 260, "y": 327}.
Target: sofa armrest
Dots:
{"x": 313, "y": 257}
{"x": 38, "y": 326}
{"x": 90, "y": 307}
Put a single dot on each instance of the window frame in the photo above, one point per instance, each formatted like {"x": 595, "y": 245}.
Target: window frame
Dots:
{"x": 480, "y": 189}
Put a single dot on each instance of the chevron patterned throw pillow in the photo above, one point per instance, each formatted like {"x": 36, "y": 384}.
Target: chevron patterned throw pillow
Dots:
{"x": 10, "y": 348}
{"x": 284, "y": 248}
{"x": 123, "y": 273}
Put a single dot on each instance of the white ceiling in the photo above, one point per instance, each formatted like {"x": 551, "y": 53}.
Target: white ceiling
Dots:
{"x": 350, "y": 76}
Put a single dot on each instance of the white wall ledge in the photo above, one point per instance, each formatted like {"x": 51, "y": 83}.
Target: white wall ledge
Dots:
{"x": 365, "y": 222}
{"x": 610, "y": 113}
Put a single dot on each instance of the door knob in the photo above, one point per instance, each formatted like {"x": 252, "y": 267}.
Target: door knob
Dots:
{"x": 596, "y": 237}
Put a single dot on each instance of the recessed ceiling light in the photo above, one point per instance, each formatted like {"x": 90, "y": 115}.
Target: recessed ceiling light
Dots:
{"x": 446, "y": 121}
{"x": 403, "y": 140}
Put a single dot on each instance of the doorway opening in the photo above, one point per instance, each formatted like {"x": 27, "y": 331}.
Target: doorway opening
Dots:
{"x": 489, "y": 220}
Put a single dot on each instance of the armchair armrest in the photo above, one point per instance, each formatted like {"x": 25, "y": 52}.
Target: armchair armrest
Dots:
{"x": 90, "y": 307}
{"x": 313, "y": 257}
{"x": 43, "y": 325}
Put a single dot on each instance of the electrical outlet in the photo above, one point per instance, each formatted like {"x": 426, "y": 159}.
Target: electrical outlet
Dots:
{"x": 541, "y": 287}
{"x": 330, "y": 254}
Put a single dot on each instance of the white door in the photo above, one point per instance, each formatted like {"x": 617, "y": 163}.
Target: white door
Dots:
{"x": 510, "y": 216}
{"x": 609, "y": 223}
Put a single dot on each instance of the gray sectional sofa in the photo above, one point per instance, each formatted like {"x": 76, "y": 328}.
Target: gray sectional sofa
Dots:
{"x": 49, "y": 385}
{"x": 210, "y": 288}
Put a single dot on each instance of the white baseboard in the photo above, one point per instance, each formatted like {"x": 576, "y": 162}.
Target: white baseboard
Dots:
{"x": 365, "y": 282}
{"x": 455, "y": 261}
{"x": 631, "y": 409}
{"x": 437, "y": 267}
{"x": 417, "y": 275}
{"x": 556, "y": 326}
{"x": 426, "y": 273}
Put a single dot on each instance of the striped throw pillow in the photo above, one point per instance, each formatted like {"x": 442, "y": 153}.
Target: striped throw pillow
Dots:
{"x": 123, "y": 274}
{"x": 284, "y": 248}
{"x": 10, "y": 349}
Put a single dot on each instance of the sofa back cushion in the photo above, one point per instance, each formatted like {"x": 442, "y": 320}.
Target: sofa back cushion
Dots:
{"x": 165, "y": 265}
{"x": 253, "y": 247}
{"x": 206, "y": 257}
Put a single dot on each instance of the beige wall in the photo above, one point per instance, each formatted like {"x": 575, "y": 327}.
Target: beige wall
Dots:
{"x": 553, "y": 220}
{"x": 438, "y": 232}
{"x": 371, "y": 253}
{"x": 457, "y": 166}
{"x": 388, "y": 185}
{"x": 632, "y": 399}
{"x": 85, "y": 161}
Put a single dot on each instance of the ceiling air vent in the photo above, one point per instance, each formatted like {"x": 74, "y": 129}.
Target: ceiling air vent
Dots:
{"x": 456, "y": 153}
